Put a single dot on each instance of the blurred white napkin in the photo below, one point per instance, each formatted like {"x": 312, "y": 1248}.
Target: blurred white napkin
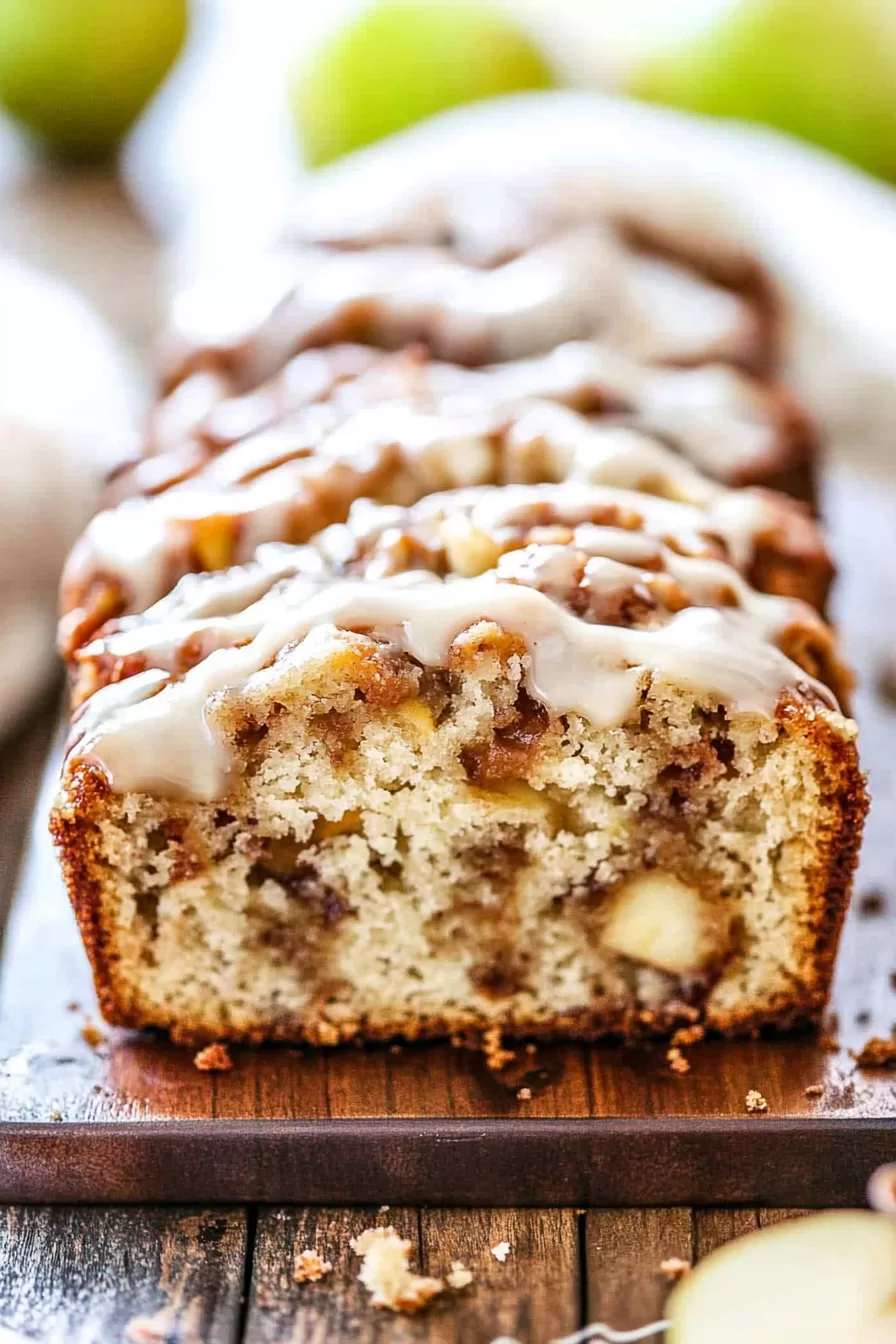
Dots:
{"x": 69, "y": 408}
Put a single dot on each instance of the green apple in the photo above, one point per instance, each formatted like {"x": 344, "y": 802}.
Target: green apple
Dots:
{"x": 402, "y": 60}
{"x": 78, "y": 73}
{"x": 819, "y": 1280}
{"x": 824, "y": 70}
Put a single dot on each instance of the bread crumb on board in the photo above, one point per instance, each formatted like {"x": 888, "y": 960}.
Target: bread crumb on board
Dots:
{"x": 879, "y": 1052}
{"x": 677, "y": 1061}
{"x": 213, "y": 1058}
{"x": 496, "y": 1057}
{"x": 386, "y": 1274}
{"x": 92, "y": 1035}
{"x": 309, "y": 1267}
{"x": 674, "y": 1268}
{"x": 688, "y": 1035}
{"x": 755, "y": 1102}
{"x": 814, "y": 1090}
{"x": 155, "y": 1329}
{"x": 524, "y": 1094}
{"x": 459, "y": 1277}
{"x": 501, "y": 1251}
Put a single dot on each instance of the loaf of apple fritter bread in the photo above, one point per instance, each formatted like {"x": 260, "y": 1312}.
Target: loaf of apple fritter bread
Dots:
{"x": 521, "y": 329}
{"x": 537, "y": 757}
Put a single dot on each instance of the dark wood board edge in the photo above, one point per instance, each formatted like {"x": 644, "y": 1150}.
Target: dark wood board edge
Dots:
{"x": 535, "y": 1163}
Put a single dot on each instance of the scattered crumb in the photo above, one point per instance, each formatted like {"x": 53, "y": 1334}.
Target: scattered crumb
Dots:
{"x": 73, "y": 1007}
{"x": 155, "y": 1329}
{"x": 457, "y": 1041}
{"x": 756, "y": 1102}
{"x": 674, "y": 1268}
{"x": 92, "y": 1035}
{"x": 677, "y": 1061}
{"x": 495, "y": 1055}
{"x": 383, "y": 1208}
{"x": 362, "y": 1243}
{"x": 501, "y": 1251}
{"x": 309, "y": 1268}
{"x": 814, "y": 1090}
{"x": 863, "y": 1018}
{"x": 56, "y": 1115}
{"x": 688, "y": 1035}
{"x": 872, "y": 903}
{"x": 460, "y": 1276}
{"x": 893, "y": 979}
{"x": 531, "y": 1048}
{"x": 877, "y": 1053}
{"x": 214, "y": 1058}
{"x": 524, "y": 1094}
{"x": 394, "y": 1049}
{"x": 386, "y": 1274}
{"x": 829, "y": 1042}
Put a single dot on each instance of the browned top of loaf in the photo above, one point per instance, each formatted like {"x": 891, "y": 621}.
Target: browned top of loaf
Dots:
{"x": 611, "y": 557}
{"x": 277, "y": 380}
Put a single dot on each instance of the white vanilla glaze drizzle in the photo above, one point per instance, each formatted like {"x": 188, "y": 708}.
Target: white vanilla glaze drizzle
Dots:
{"x": 580, "y": 282}
{"x": 145, "y": 542}
{"x": 165, "y": 740}
{"x": 732, "y": 516}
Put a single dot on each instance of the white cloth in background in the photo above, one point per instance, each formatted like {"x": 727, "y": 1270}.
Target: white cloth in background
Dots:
{"x": 68, "y": 409}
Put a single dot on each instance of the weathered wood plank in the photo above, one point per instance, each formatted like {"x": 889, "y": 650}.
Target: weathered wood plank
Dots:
{"x": 713, "y": 1227}
{"x": 534, "y": 1295}
{"x": 624, "y": 1249}
{"x": 338, "y": 1306}
{"x": 141, "y": 1275}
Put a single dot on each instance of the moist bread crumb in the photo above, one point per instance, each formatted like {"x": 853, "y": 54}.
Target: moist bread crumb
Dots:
{"x": 496, "y": 1057}
{"x": 214, "y": 1058}
{"x": 386, "y": 1274}
{"x": 677, "y": 1061}
{"x": 877, "y": 1053}
{"x": 755, "y": 1102}
{"x": 459, "y": 1276}
{"x": 675, "y": 1268}
{"x": 92, "y": 1035}
{"x": 501, "y": 1251}
{"x": 309, "y": 1267}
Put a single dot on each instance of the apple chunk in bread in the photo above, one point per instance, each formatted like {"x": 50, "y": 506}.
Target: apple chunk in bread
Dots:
{"x": 821, "y": 1280}
{"x": 662, "y": 921}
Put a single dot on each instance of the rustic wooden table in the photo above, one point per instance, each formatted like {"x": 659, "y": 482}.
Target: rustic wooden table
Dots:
{"x": 225, "y": 1274}
{"x": 217, "y": 1276}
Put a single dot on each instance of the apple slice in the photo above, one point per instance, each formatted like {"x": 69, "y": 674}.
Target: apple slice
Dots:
{"x": 658, "y": 919}
{"x": 829, "y": 1279}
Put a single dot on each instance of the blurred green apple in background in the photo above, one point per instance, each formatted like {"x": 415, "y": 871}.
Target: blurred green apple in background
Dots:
{"x": 824, "y": 70}
{"x": 399, "y": 61}
{"x": 78, "y": 73}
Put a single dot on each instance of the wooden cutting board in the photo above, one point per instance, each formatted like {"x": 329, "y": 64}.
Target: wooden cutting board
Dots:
{"x": 132, "y": 1119}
